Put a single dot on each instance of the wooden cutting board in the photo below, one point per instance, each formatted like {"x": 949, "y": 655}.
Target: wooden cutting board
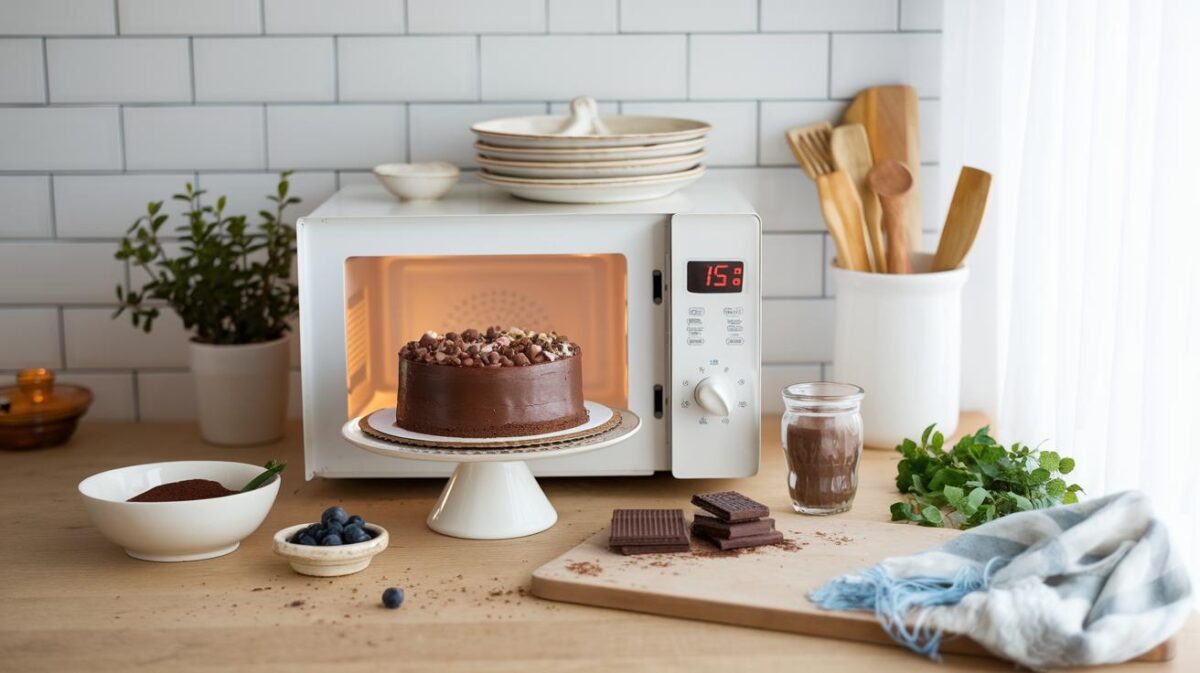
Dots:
{"x": 891, "y": 117}
{"x": 763, "y": 588}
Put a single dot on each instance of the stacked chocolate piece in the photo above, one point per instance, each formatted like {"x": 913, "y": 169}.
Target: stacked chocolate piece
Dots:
{"x": 648, "y": 531}
{"x": 734, "y": 521}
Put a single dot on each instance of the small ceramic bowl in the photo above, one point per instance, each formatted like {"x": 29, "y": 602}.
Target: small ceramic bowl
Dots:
{"x": 418, "y": 182}
{"x": 189, "y": 530}
{"x": 345, "y": 559}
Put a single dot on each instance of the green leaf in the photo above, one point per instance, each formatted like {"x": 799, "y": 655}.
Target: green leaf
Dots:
{"x": 926, "y": 433}
{"x": 1066, "y": 465}
{"x": 976, "y": 497}
{"x": 1040, "y": 476}
{"x": 1023, "y": 503}
{"x": 1056, "y": 488}
{"x": 902, "y": 511}
{"x": 933, "y": 515}
{"x": 1048, "y": 460}
{"x": 954, "y": 496}
{"x": 1070, "y": 498}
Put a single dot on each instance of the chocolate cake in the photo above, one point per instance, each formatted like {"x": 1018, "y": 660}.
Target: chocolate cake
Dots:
{"x": 496, "y": 383}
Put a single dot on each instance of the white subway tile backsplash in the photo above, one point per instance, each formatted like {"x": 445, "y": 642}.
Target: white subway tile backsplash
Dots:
{"x": 408, "y": 68}
{"x": 246, "y": 193}
{"x": 583, "y": 16}
{"x": 208, "y": 137}
{"x": 96, "y": 340}
{"x": 103, "y": 206}
{"x": 251, "y": 69}
{"x": 174, "y": 17}
{"x": 759, "y": 66}
{"x": 784, "y": 198}
{"x": 689, "y": 16}
{"x": 30, "y": 337}
{"x": 112, "y": 394}
{"x": 67, "y": 139}
{"x": 732, "y": 140}
{"x": 335, "y": 136}
{"x": 823, "y": 15}
{"x": 797, "y": 330}
{"x": 26, "y": 203}
{"x": 58, "y": 273}
{"x": 119, "y": 70}
{"x": 792, "y": 265}
{"x": 171, "y": 396}
{"x": 442, "y": 132}
{"x": 476, "y": 16}
{"x": 862, "y": 60}
{"x": 336, "y": 17}
{"x": 779, "y": 116}
{"x": 920, "y": 14}
{"x": 57, "y": 17}
{"x": 931, "y": 130}
{"x": 22, "y": 79}
{"x": 605, "y": 107}
{"x": 933, "y": 215}
{"x": 777, "y": 377}
{"x": 552, "y": 67}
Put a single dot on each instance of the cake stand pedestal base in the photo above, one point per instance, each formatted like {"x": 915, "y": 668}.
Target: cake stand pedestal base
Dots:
{"x": 492, "y": 501}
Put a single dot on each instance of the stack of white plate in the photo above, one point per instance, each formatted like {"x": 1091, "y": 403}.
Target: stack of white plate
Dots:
{"x": 585, "y": 159}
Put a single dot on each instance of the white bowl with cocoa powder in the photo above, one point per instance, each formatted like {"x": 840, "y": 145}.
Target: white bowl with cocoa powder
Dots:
{"x": 187, "y": 530}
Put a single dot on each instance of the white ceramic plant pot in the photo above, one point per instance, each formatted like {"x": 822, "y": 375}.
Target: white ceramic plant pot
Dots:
{"x": 899, "y": 337}
{"x": 241, "y": 391}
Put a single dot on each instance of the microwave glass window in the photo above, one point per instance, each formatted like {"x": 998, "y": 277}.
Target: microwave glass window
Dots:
{"x": 715, "y": 277}
{"x": 393, "y": 300}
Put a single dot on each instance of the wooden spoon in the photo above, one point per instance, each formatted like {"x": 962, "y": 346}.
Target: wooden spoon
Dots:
{"x": 852, "y": 154}
{"x": 892, "y": 119}
{"x": 893, "y": 182}
{"x": 963, "y": 218}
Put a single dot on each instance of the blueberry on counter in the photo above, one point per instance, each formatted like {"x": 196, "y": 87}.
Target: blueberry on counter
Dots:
{"x": 331, "y": 540}
{"x": 334, "y": 513}
{"x": 393, "y": 598}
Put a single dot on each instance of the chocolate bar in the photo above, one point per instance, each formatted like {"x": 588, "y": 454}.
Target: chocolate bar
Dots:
{"x": 713, "y": 527}
{"x": 731, "y": 506}
{"x": 774, "y": 537}
{"x": 643, "y": 527}
{"x": 629, "y": 550}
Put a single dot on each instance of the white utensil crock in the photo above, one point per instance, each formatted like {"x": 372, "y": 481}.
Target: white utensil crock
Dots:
{"x": 899, "y": 337}
{"x": 241, "y": 391}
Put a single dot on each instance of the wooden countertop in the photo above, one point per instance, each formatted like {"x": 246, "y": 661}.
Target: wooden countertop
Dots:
{"x": 70, "y": 600}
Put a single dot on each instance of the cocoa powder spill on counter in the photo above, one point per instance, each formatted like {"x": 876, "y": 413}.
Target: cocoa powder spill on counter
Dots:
{"x": 188, "y": 489}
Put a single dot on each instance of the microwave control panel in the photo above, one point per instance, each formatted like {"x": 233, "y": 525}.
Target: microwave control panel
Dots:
{"x": 715, "y": 292}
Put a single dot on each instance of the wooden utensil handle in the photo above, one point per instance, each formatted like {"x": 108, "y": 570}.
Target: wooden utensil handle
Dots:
{"x": 834, "y": 222}
{"x": 898, "y": 242}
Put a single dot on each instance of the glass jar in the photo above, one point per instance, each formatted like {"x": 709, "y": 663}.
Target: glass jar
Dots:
{"x": 822, "y": 440}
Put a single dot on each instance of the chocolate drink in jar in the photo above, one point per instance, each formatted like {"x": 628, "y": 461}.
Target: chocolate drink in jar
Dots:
{"x": 822, "y": 441}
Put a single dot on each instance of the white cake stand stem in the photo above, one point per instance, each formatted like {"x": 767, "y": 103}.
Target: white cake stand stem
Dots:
{"x": 492, "y": 501}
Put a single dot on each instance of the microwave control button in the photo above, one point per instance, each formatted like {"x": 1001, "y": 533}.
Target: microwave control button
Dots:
{"x": 733, "y": 310}
{"x": 733, "y": 328}
{"x": 734, "y": 340}
{"x": 695, "y": 341}
{"x": 695, "y": 321}
{"x": 714, "y": 395}
{"x": 696, "y": 311}
{"x": 733, "y": 321}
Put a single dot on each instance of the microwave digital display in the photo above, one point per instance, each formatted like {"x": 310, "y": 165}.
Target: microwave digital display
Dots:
{"x": 714, "y": 277}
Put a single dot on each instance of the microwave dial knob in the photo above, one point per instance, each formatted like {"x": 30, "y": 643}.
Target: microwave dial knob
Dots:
{"x": 715, "y": 396}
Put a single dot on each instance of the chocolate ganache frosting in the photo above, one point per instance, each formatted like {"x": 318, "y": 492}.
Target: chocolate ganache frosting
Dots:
{"x": 496, "y": 383}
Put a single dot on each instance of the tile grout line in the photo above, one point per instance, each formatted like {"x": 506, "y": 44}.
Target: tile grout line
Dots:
{"x": 337, "y": 65}
{"x": 46, "y": 70}
{"x": 266, "y": 132}
{"x": 53, "y": 208}
{"x": 262, "y": 17}
{"x": 117, "y": 16}
{"x": 121, "y": 137}
{"x": 192, "y": 67}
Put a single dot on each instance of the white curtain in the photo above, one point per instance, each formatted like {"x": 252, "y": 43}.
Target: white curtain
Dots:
{"x": 1083, "y": 310}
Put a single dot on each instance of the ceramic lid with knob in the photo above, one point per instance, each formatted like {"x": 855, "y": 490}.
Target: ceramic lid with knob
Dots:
{"x": 37, "y": 412}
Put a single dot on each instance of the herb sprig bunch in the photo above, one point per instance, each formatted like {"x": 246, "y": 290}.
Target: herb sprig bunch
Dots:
{"x": 977, "y": 480}
{"x": 229, "y": 283}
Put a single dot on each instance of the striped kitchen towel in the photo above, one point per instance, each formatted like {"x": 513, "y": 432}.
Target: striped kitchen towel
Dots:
{"x": 1091, "y": 583}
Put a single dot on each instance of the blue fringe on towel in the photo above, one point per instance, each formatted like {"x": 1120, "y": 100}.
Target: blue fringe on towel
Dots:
{"x": 891, "y": 599}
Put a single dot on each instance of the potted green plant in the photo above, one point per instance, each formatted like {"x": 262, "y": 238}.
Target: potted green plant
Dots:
{"x": 232, "y": 286}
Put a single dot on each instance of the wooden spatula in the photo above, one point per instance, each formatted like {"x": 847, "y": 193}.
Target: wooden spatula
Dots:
{"x": 852, "y": 154}
{"x": 893, "y": 182}
{"x": 963, "y": 218}
{"x": 838, "y": 197}
{"x": 892, "y": 121}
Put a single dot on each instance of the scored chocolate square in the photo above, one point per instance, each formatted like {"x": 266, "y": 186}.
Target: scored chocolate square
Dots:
{"x": 730, "y": 506}
{"x": 636, "y": 527}
{"x": 774, "y": 537}
{"x": 714, "y": 527}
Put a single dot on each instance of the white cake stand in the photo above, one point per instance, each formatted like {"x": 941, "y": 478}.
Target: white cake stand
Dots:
{"x": 492, "y": 495}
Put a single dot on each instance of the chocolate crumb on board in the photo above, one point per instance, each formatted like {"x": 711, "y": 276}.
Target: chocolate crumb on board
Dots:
{"x": 585, "y": 568}
{"x": 296, "y": 603}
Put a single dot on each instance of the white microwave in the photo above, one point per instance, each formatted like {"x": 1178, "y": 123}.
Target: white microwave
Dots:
{"x": 663, "y": 296}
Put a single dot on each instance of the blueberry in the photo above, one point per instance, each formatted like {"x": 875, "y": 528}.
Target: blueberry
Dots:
{"x": 334, "y": 528}
{"x": 313, "y": 530}
{"x": 355, "y": 519}
{"x": 393, "y": 598}
{"x": 334, "y": 514}
{"x": 307, "y": 539}
{"x": 354, "y": 534}
{"x": 331, "y": 540}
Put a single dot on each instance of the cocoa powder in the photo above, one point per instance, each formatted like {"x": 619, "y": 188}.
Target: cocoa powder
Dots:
{"x": 822, "y": 455}
{"x": 188, "y": 489}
